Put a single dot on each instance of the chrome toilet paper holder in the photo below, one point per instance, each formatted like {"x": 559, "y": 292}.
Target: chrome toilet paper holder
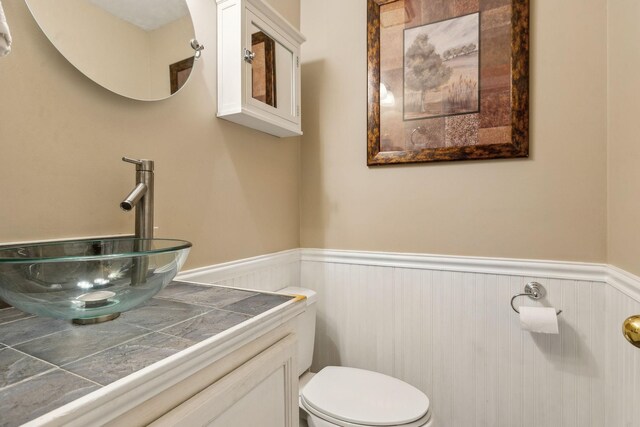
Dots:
{"x": 533, "y": 290}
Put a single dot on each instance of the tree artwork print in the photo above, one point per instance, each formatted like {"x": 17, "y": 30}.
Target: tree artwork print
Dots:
{"x": 441, "y": 68}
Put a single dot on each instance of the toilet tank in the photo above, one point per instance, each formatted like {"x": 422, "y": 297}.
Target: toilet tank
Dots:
{"x": 305, "y": 327}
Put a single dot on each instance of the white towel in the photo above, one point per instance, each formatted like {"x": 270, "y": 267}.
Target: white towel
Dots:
{"x": 5, "y": 35}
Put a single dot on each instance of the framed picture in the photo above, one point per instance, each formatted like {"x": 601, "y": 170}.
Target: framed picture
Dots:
{"x": 447, "y": 80}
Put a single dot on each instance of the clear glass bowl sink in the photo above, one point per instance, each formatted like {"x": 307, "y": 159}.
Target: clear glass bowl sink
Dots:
{"x": 88, "y": 279}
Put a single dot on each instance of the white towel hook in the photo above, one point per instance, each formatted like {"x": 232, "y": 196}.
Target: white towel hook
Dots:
{"x": 195, "y": 45}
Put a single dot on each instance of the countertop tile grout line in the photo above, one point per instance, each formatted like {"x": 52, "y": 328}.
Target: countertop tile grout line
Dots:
{"x": 186, "y": 320}
{"x": 149, "y": 332}
{"x": 197, "y": 304}
{"x": 177, "y": 323}
{"x": 208, "y": 288}
{"x": 166, "y": 334}
{"x": 34, "y": 357}
{"x": 201, "y": 304}
{"x": 24, "y": 380}
{"x": 80, "y": 376}
{"x": 141, "y": 327}
{"x": 238, "y": 312}
{"x": 37, "y": 338}
{"x": 209, "y": 309}
{"x": 205, "y": 286}
{"x": 17, "y": 320}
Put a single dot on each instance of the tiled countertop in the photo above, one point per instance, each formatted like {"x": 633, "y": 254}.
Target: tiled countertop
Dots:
{"x": 47, "y": 363}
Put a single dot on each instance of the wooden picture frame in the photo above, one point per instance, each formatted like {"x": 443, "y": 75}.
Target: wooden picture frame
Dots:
{"x": 434, "y": 122}
{"x": 179, "y": 73}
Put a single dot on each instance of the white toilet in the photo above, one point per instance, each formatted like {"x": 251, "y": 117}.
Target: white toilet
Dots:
{"x": 350, "y": 397}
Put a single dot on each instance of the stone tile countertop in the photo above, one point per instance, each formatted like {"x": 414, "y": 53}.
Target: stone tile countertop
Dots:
{"x": 47, "y": 363}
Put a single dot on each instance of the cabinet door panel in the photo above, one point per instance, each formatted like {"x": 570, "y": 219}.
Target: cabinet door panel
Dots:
{"x": 263, "y": 391}
{"x": 263, "y": 406}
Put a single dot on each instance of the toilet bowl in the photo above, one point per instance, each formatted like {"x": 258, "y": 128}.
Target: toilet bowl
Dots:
{"x": 351, "y": 397}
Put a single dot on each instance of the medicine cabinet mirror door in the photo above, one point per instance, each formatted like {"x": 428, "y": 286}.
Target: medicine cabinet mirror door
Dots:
{"x": 272, "y": 77}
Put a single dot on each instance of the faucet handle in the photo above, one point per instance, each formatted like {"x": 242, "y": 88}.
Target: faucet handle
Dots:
{"x": 143, "y": 164}
{"x": 130, "y": 160}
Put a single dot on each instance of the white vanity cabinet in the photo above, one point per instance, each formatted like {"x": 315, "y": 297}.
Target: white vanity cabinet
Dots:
{"x": 258, "y": 68}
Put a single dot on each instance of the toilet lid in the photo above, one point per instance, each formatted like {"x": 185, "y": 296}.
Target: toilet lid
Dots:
{"x": 364, "y": 397}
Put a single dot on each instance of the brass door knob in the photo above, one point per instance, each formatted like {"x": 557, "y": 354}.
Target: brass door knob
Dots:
{"x": 631, "y": 330}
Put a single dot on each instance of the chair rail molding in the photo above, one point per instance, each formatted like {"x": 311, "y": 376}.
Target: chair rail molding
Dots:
{"x": 623, "y": 281}
{"x": 507, "y": 266}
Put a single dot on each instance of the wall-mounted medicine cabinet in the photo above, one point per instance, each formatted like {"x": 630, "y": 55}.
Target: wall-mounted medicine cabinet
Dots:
{"x": 258, "y": 68}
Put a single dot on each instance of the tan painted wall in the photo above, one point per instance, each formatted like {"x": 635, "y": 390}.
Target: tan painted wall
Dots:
{"x": 230, "y": 190}
{"x": 624, "y": 135}
{"x": 550, "y": 206}
{"x": 234, "y": 192}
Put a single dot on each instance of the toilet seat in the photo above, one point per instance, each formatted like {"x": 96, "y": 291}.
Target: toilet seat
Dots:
{"x": 331, "y": 422}
{"x": 350, "y": 397}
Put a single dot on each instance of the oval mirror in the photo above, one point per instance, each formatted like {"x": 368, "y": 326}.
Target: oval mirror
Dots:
{"x": 140, "y": 49}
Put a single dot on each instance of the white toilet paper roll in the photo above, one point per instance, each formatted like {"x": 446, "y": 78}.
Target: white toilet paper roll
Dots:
{"x": 539, "y": 319}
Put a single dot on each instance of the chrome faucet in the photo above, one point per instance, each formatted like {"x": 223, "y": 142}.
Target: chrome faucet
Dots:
{"x": 141, "y": 198}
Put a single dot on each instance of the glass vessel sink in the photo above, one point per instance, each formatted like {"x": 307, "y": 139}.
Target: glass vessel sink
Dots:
{"x": 88, "y": 280}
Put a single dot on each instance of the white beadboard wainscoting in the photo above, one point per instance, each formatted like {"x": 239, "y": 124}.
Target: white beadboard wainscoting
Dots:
{"x": 444, "y": 324}
{"x": 269, "y": 272}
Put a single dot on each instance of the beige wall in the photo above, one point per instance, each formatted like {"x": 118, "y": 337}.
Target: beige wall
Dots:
{"x": 230, "y": 190}
{"x": 624, "y": 135}
{"x": 550, "y": 206}
{"x": 234, "y": 191}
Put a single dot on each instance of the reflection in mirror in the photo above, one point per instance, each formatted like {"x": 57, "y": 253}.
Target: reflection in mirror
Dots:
{"x": 137, "y": 48}
{"x": 179, "y": 73}
{"x": 272, "y": 71}
{"x": 263, "y": 68}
